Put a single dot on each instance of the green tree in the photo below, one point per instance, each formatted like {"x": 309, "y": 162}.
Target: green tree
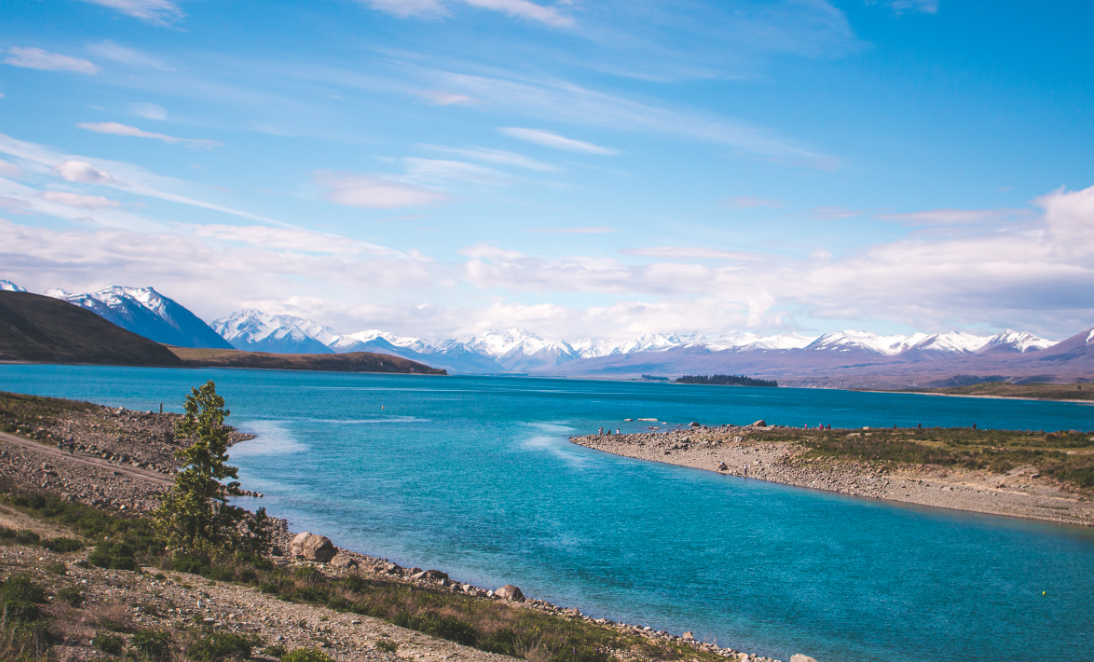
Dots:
{"x": 195, "y": 515}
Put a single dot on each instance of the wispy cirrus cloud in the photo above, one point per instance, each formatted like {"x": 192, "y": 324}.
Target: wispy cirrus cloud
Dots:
{"x": 36, "y": 58}
{"x": 149, "y": 110}
{"x": 921, "y": 6}
{"x": 549, "y": 139}
{"x": 83, "y": 173}
{"x": 749, "y": 202}
{"x": 692, "y": 253}
{"x": 950, "y": 216}
{"x": 596, "y": 229}
{"x": 116, "y": 129}
{"x": 112, "y": 51}
{"x": 156, "y": 12}
{"x": 498, "y": 156}
{"x": 372, "y": 191}
{"x": 79, "y": 200}
{"x": 831, "y": 213}
{"x": 521, "y": 9}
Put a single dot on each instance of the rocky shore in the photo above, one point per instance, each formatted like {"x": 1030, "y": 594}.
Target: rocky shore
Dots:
{"x": 123, "y": 459}
{"x": 738, "y": 451}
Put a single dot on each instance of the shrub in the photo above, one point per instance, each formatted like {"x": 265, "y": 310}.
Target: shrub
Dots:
{"x": 117, "y": 556}
{"x": 152, "y": 644}
{"x": 223, "y": 646}
{"x": 111, "y": 644}
{"x": 63, "y": 545}
{"x": 71, "y": 595}
{"x": 18, "y": 596}
{"x": 276, "y": 651}
{"x": 386, "y": 645}
{"x": 306, "y": 655}
{"x": 57, "y": 568}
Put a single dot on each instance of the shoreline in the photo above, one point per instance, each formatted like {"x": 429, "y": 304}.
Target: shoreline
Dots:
{"x": 121, "y": 468}
{"x": 969, "y": 395}
{"x": 1021, "y": 493}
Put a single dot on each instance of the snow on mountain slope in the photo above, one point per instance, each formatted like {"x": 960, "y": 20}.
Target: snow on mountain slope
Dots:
{"x": 953, "y": 342}
{"x": 148, "y": 313}
{"x": 745, "y": 341}
{"x": 255, "y": 331}
{"x": 1014, "y": 342}
{"x": 8, "y": 286}
{"x": 847, "y": 341}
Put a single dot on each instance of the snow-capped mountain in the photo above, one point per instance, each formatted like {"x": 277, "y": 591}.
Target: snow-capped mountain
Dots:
{"x": 148, "y": 313}
{"x": 499, "y": 351}
{"x": 1009, "y": 342}
{"x": 8, "y": 286}
{"x": 255, "y": 331}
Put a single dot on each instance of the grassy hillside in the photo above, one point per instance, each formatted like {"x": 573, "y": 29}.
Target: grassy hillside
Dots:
{"x": 1027, "y": 391}
{"x": 352, "y": 362}
{"x": 42, "y": 329}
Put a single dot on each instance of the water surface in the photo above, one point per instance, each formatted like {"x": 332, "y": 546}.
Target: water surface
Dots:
{"x": 476, "y": 476}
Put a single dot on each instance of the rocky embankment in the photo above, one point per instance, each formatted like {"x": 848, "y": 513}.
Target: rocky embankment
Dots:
{"x": 123, "y": 459}
{"x": 732, "y": 450}
{"x": 118, "y": 459}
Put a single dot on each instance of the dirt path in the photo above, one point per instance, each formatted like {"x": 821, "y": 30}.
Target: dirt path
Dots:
{"x": 53, "y": 452}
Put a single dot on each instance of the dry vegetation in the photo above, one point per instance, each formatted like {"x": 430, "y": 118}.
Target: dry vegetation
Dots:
{"x": 1022, "y": 391}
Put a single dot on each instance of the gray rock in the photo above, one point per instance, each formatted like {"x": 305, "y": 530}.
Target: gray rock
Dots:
{"x": 798, "y": 657}
{"x": 344, "y": 561}
{"x": 435, "y": 574}
{"x": 510, "y": 592}
{"x": 313, "y": 548}
{"x": 688, "y": 636}
{"x": 759, "y": 424}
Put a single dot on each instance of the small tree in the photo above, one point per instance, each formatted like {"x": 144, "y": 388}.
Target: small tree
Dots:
{"x": 195, "y": 515}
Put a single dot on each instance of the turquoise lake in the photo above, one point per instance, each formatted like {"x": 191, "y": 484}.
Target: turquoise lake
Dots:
{"x": 475, "y": 476}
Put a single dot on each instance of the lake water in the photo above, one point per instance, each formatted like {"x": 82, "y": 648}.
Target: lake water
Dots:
{"x": 475, "y": 476}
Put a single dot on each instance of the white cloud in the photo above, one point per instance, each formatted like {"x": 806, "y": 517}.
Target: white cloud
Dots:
{"x": 949, "y": 216}
{"x": 527, "y": 10}
{"x": 749, "y": 202}
{"x": 598, "y": 229}
{"x": 374, "y": 192}
{"x": 438, "y": 172}
{"x": 691, "y": 253}
{"x": 112, "y": 51}
{"x": 116, "y": 174}
{"x": 833, "y": 212}
{"x": 548, "y": 139}
{"x": 515, "y": 8}
{"x": 84, "y": 173}
{"x": 10, "y": 169}
{"x": 440, "y": 98}
{"x": 116, "y": 129}
{"x": 498, "y": 156}
{"x": 80, "y": 200}
{"x": 407, "y": 8}
{"x": 291, "y": 240}
{"x": 36, "y": 58}
{"x": 156, "y": 12}
{"x": 149, "y": 110}
{"x": 923, "y": 6}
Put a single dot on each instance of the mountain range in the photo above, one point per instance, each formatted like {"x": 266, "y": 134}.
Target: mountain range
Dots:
{"x": 841, "y": 358}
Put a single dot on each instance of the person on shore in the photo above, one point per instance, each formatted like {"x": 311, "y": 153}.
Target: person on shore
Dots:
{"x": 722, "y": 466}
{"x": 617, "y": 430}
{"x": 71, "y": 446}
{"x": 600, "y": 432}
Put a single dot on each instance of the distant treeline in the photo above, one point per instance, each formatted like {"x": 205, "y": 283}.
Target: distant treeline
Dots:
{"x": 654, "y": 378}
{"x": 725, "y": 380}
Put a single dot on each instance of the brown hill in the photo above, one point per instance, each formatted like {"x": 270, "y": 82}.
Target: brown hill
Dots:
{"x": 352, "y": 362}
{"x": 42, "y": 329}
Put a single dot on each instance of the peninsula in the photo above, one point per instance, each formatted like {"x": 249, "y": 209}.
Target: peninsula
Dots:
{"x": 1035, "y": 475}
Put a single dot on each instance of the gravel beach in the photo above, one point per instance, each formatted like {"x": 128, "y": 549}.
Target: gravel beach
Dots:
{"x": 1018, "y": 493}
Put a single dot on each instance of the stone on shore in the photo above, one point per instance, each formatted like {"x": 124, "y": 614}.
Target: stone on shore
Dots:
{"x": 344, "y": 561}
{"x": 510, "y": 592}
{"x": 313, "y": 548}
{"x": 688, "y": 636}
{"x": 759, "y": 424}
{"x": 798, "y": 657}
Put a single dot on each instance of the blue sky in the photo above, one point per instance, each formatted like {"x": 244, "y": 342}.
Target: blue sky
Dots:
{"x": 580, "y": 168}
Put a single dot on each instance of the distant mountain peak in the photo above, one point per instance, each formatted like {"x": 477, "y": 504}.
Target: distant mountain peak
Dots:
{"x": 8, "y": 286}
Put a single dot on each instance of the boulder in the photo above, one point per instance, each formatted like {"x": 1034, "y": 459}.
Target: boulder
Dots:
{"x": 798, "y": 657}
{"x": 435, "y": 574}
{"x": 510, "y": 592}
{"x": 688, "y": 636}
{"x": 344, "y": 561}
{"x": 759, "y": 424}
{"x": 313, "y": 548}
{"x": 694, "y": 424}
